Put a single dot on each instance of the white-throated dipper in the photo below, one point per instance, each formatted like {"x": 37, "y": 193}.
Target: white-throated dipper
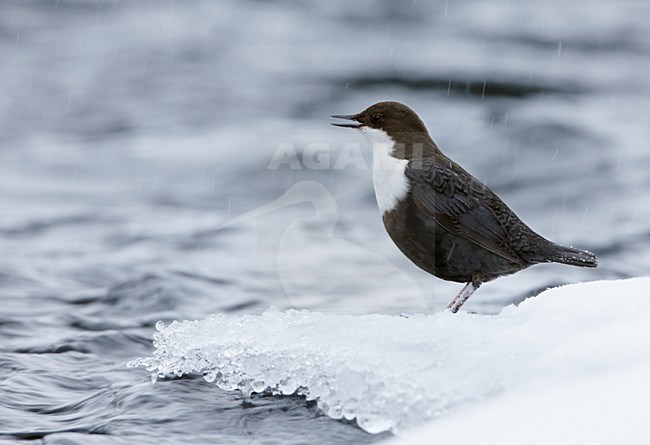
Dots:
{"x": 442, "y": 218}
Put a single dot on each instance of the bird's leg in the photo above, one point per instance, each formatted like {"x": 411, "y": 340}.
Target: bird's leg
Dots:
{"x": 461, "y": 298}
{"x": 464, "y": 295}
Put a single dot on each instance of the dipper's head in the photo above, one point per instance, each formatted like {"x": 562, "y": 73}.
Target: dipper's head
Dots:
{"x": 391, "y": 117}
{"x": 393, "y": 124}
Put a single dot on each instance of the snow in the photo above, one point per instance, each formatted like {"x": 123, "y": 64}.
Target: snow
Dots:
{"x": 603, "y": 408}
{"x": 570, "y": 363}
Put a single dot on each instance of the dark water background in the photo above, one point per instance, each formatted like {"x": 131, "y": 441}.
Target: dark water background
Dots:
{"x": 130, "y": 130}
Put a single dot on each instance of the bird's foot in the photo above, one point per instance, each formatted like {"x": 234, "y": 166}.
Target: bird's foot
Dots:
{"x": 463, "y": 295}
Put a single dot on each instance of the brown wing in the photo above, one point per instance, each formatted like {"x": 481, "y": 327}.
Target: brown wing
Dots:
{"x": 453, "y": 200}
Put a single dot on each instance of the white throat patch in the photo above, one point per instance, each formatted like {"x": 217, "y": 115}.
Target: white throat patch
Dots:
{"x": 391, "y": 184}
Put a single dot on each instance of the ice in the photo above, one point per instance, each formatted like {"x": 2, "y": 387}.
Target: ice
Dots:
{"x": 391, "y": 373}
{"x": 604, "y": 409}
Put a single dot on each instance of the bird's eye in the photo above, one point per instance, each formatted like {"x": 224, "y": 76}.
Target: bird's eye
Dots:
{"x": 377, "y": 118}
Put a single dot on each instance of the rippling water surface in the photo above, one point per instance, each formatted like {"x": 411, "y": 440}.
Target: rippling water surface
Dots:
{"x": 130, "y": 131}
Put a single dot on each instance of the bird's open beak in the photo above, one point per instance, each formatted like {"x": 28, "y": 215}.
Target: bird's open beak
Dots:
{"x": 349, "y": 117}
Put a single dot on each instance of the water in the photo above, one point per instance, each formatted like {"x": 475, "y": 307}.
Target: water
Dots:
{"x": 130, "y": 131}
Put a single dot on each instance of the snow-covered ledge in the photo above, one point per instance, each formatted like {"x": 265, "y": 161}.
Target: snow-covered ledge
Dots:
{"x": 590, "y": 386}
{"x": 570, "y": 365}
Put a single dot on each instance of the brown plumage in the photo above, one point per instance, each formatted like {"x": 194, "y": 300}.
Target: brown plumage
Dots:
{"x": 449, "y": 223}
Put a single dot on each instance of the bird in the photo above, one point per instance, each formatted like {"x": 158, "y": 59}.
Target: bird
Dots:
{"x": 442, "y": 218}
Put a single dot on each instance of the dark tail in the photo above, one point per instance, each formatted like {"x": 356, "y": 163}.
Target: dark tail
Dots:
{"x": 571, "y": 256}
